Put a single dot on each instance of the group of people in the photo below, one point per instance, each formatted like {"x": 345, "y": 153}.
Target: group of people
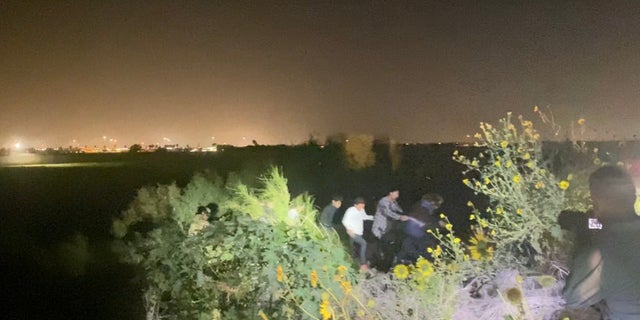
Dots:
{"x": 603, "y": 271}
{"x": 604, "y": 267}
{"x": 421, "y": 217}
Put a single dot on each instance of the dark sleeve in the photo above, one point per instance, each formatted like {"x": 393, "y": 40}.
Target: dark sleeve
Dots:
{"x": 325, "y": 217}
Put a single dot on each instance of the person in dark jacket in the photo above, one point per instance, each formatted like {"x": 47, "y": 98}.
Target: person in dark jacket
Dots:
{"x": 605, "y": 271}
{"x": 422, "y": 217}
{"x": 327, "y": 214}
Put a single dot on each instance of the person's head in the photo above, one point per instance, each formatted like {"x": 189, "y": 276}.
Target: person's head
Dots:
{"x": 434, "y": 198}
{"x": 336, "y": 201}
{"x": 613, "y": 194}
{"x": 203, "y": 212}
{"x": 358, "y": 203}
{"x": 394, "y": 193}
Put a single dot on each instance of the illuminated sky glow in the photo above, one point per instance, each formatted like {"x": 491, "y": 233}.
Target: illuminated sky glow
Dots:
{"x": 422, "y": 71}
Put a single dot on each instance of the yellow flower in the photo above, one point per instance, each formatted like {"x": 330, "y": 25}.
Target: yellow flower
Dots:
{"x": 536, "y": 136}
{"x": 483, "y": 223}
{"x": 517, "y": 178}
{"x": 535, "y": 109}
{"x": 472, "y": 217}
{"x": 448, "y": 226}
{"x": 499, "y": 210}
{"x": 474, "y": 163}
{"x": 581, "y": 121}
{"x": 477, "y": 135}
{"x": 455, "y": 152}
{"x": 262, "y": 315}
{"x": 435, "y": 253}
{"x": 466, "y": 182}
{"x": 526, "y": 156}
{"x": 538, "y": 185}
{"x": 346, "y": 286}
{"x": 314, "y": 278}
{"x": 325, "y": 309}
{"x": 497, "y": 163}
{"x": 508, "y": 164}
{"x": 424, "y": 267}
{"x": 504, "y": 144}
{"x": 519, "y": 211}
{"x": 487, "y": 180}
{"x": 469, "y": 204}
{"x": 456, "y": 240}
{"x": 342, "y": 269}
{"x": 482, "y": 248}
{"x": 442, "y": 216}
{"x": 279, "y": 274}
{"x": 564, "y": 184}
{"x": 519, "y": 279}
{"x": 401, "y": 271}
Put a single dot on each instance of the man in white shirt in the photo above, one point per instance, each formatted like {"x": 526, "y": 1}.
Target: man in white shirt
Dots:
{"x": 353, "y": 221}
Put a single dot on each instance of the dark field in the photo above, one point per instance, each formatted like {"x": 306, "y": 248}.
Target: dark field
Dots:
{"x": 46, "y": 208}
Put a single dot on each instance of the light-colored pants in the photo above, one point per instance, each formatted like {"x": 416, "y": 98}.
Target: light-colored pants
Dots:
{"x": 362, "y": 250}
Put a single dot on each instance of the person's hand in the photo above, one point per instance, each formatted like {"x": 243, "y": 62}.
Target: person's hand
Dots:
{"x": 350, "y": 233}
{"x": 404, "y": 218}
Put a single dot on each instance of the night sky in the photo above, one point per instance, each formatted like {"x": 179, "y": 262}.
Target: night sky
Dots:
{"x": 197, "y": 72}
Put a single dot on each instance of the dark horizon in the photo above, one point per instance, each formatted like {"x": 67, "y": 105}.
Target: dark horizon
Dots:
{"x": 235, "y": 71}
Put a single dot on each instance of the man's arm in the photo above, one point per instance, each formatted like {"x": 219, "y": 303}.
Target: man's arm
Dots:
{"x": 583, "y": 285}
{"x": 391, "y": 210}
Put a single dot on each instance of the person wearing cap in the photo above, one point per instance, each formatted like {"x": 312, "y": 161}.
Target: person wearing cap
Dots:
{"x": 605, "y": 272}
{"x": 200, "y": 221}
{"x": 353, "y": 221}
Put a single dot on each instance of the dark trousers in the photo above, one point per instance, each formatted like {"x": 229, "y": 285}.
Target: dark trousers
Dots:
{"x": 413, "y": 248}
{"x": 384, "y": 251}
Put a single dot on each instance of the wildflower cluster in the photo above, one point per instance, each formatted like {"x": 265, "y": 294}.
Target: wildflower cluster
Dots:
{"x": 337, "y": 298}
{"x": 525, "y": 197}
{"x": 434, "y": 281}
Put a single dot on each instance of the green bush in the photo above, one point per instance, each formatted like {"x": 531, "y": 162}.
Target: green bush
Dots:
{"x": 235, "y": 267}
